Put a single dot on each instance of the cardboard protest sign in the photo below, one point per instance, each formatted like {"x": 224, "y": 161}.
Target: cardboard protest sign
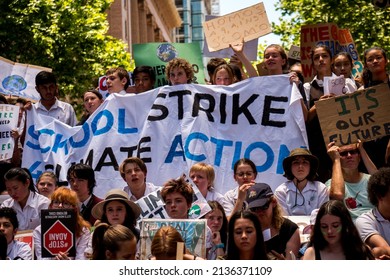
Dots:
{"x": 337, "y": 39}
{"x": 361, "y": 115}
{"x": 192, "y": 231}
{"x": 247, "y": 24}
{"x": 58, "y": 232}
{"x": 19, "y": 79}
{"x": 158, "y": 55}
{"x": 250, "y": 48}
{"x": 9, "y": 115}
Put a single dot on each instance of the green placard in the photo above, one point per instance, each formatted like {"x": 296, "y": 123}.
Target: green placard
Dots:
{"x": 158, "y": 55}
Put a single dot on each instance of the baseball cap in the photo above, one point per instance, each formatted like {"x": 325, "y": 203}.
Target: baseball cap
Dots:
{"x": 258, "y": 195}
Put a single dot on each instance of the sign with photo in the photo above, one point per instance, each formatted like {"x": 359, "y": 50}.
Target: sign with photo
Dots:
{"x": 192, "y": 231}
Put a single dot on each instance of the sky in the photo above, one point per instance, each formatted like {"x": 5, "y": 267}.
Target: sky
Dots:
{"x": 230, "y": 6}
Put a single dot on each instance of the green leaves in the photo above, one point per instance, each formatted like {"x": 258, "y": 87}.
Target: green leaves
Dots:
{"x": 69, "y": 36}
{"x": 369, "y": 26}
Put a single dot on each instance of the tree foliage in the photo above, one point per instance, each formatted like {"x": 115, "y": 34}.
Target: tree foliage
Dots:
{"x": 69, "y": 36}
{"x": 368, "y": 24}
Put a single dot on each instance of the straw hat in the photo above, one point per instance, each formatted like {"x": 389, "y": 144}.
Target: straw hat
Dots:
{"x": 115, "y": 194}
{"x": 303, "y": 153}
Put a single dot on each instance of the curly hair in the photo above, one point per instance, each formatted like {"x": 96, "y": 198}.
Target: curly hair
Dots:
{"x": 183, "y": 63}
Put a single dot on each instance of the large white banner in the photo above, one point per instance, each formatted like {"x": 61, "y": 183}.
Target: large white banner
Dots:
{"x": 173, "y": 127}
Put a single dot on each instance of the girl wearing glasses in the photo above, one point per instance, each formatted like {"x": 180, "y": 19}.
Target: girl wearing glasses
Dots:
{"x": 335, "y": 237}
{"x": 244, "y": 174}
{"x": 65, "y": 198}
{"x": 301, "y": 194}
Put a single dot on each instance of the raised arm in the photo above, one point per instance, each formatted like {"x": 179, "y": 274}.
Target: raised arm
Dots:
{"x": 337, "y": 185}
{"x": 371, "y": 168}
{"x": 239, "y": 51}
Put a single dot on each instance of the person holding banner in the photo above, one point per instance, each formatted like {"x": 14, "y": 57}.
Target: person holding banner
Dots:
{"x": 92, "y": 99}
{"x": 374, "y": 73}
{"x": 23, "y": 198}
{"x": 144, "y": 78}
{"x": 245, "y": 238}
{"x": 49, "y": 105}
{"x": 179, "y": 71}
{"x": 321, "y": 58}
{"x": 133, "y": 170}
{"x": 9, "y": 224}
{"x": 203, "y": 175}
{"x": 223, "y": 75}
{"x": 65, "y": 198}
{"x": 301, "y": 194}
{"x": 178, "y": 196}
{"x": 117, "y": 80}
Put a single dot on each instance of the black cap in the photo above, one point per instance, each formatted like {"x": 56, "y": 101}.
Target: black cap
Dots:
{"x": 258, "y": 195}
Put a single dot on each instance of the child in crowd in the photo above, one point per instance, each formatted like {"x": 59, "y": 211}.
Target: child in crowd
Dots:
{"x": 24, "y": 199}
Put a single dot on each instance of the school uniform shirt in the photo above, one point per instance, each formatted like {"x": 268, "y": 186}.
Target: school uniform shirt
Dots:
{"x": 18, "y": 250}
{"x": 60, "y": 110}
{"x": 148, "y": 189}
{"x": 81, "y": 244}
{"x": 213, "y": 195}
{"x": 371, "y": 223}
{"x": 30, "y": 216}
{"x": 296, "y": 203}
{"x": 229, "y": 200}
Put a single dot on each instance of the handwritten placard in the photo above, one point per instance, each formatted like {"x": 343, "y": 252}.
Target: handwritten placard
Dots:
{"x": 329, "y": 34}
{"x": 8, "y": 120}
{"x": 361, "y": 115}
{"x": 247, "y": 24}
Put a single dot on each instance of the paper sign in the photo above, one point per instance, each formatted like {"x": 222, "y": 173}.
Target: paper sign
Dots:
{"x": 249, "y": 23}
{"x": 19, "y": 79}
{"x": 9, "y": 115}
{"x": 295, "y": 53}
{"x": 361, "y": 115}
{"x": 335, "y": 85}
{"x": 250, "y": 48}
{"x": 329, "y": 34}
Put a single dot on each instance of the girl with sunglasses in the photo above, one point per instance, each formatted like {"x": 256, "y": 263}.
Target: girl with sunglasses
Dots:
{"x": 301, "y": 194}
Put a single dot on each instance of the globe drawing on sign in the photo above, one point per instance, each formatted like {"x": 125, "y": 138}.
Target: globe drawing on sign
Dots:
{"x": 14, "y": 84}
{"x": 166, "y": 52}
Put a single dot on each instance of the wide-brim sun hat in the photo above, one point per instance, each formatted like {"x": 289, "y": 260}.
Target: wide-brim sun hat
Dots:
{"x": 303, "y": 153}
{"x": 115, "y": 195}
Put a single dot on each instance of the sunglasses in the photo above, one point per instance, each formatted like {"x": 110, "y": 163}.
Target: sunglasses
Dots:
{"x": 352, "y": 152}
{"x": 261, "y": 208}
